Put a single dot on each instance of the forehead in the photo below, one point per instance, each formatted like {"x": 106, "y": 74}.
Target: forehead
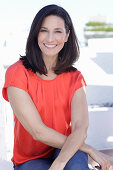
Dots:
{"x": 53, "y": 20}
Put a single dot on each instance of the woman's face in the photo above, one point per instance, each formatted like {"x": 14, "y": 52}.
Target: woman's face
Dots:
{"x": 52, "y": 35}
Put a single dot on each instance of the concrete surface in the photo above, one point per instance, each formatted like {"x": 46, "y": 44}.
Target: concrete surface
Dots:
{"x": 100, "y": 131}
{"x": 6, "y": 165}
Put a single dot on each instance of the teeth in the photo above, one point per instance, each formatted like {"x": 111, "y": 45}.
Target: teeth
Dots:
{"x": 50, "y": 45}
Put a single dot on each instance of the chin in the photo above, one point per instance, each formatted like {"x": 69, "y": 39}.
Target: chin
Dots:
{"x": 51, "y": 55}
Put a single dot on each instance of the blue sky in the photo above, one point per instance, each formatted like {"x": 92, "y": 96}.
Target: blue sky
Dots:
{"x": 18, "y": 14}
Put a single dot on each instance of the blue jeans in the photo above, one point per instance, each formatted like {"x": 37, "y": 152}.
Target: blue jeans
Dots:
{"x": 78, "y": 162}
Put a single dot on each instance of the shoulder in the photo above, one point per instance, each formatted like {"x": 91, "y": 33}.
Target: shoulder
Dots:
{"x": 16, "y": 72}
{"x": 73, "y": 74}
{"x": 76, "y": 78}
{"x": 15, "y": 76}
{"x": 76, "y": 82}
{"x": 15, "y": 66}
{"x": 16, "y": 69}
{"x": 76, "y": 73}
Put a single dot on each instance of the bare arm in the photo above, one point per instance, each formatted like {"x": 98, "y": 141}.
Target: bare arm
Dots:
{"x": 79, "y": 122}
{"x": 77, "y": 137}
{"x": 27, "y": 114}
{"x": 98, "y": 157}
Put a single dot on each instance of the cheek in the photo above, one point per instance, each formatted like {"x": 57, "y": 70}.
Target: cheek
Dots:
{"x": 40, "y": 38}
{"x": 61, "y": 38}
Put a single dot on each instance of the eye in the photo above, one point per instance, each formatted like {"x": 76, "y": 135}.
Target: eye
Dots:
{"x": 43, "y": 30}
{"x": 58, "y": 32}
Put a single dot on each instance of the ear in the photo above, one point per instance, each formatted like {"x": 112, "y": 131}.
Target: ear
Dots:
{"x": 67, "y": 36}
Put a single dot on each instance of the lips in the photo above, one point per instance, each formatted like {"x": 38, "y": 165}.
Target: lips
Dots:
{"x": 50, "y": 45}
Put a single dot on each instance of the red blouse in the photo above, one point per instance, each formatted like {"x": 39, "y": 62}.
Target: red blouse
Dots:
{"x": 52, "y": 99}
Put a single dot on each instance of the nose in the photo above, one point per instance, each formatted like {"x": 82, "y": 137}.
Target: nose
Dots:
{"x": 50, "y": 37}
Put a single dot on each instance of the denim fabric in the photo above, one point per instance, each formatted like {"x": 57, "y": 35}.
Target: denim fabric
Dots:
{"x": 36, "y": 164}
{"x": 78, "y": 162}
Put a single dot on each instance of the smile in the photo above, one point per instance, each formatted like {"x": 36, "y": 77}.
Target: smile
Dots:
{"x": 50, "y": 45}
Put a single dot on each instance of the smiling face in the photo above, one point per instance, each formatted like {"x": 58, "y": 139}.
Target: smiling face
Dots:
{"x": 52, "y": 35}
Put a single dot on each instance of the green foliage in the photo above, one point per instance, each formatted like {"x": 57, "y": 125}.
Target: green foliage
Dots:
{"x": 96, "y": 28}
{"x": 95, "y": 24}
{"x": 100, "y": 29}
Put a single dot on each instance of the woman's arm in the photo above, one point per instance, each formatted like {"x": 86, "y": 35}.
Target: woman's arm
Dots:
{"x": 102, "y": 159}
{"x": 26, "y": 112}
{"x": 79, "y": 123}
{"x": 75, "y": 140}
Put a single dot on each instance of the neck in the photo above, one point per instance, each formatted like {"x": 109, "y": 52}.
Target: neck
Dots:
{"x": 50, "y": 62}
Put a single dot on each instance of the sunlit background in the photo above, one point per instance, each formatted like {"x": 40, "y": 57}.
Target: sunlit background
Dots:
{"x": 93, "y": 22}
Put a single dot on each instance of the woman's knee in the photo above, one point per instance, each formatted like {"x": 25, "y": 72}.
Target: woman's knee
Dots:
{"x": 78, "y": 162}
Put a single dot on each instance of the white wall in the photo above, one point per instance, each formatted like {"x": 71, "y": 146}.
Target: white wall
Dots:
{"x": 96, "y": 64}
{"x": 100, "y": 132}
{"x": 97, "y": 68}
{"x": 6, "y": 123}
{"x": 3, "y": 146}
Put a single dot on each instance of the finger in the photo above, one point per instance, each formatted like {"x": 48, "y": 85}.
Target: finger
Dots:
{"x": 98, "y": 167}
{"x": 104, "y": 165}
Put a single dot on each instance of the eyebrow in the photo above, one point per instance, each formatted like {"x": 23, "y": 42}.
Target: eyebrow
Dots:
{"x": 43, "y": 27}
{"x": 47, "y": 28}
{"x": 58, "y": 28}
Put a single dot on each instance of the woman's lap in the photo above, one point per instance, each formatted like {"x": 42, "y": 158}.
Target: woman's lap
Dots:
{"x": 35, "y": 164}
{"x": 78, "y": 162}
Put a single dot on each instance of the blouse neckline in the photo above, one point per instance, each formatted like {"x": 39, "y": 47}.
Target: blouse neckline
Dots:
{"x": 57, "y": 77}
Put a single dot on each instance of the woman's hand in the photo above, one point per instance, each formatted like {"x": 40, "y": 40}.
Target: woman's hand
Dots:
{"x": 102, "y": 159}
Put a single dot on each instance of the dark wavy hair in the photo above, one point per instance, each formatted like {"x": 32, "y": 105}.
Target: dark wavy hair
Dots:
{"x": 67, "y": 56}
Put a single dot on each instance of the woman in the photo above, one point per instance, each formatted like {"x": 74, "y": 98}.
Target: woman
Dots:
{"x": 46, "y": 94}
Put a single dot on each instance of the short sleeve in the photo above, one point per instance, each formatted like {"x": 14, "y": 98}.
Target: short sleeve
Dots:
{"x": 78, "y": 81}
{"x": 15, "y": 76}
